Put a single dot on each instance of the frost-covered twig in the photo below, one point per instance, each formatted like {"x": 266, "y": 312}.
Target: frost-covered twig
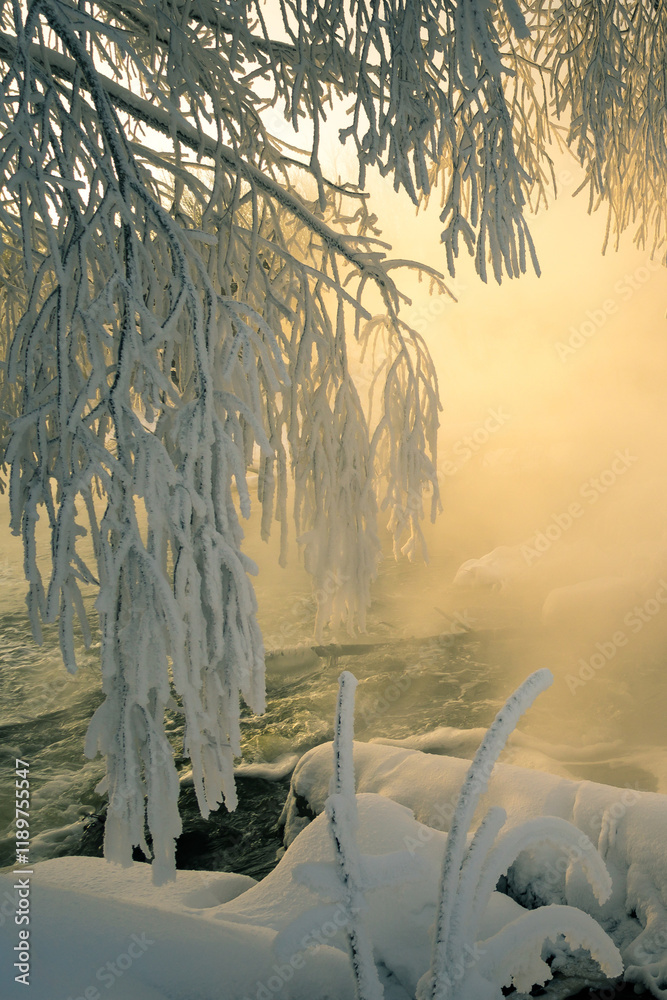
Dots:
{"x": 514, "y": 952}
{"x": 451, "y": 892}
{"x": 470, "y": 873}
{"x": 341, "y": 809}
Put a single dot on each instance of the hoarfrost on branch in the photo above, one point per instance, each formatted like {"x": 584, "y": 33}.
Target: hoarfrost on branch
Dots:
{"x": 179, "y": 288}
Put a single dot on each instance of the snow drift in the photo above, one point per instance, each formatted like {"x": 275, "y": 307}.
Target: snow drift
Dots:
{"x": 625, "y": 825}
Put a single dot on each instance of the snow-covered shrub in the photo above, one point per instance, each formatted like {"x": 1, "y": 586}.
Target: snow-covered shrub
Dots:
{"x": 471, "y": 870}
{"x": 513, "y": 953}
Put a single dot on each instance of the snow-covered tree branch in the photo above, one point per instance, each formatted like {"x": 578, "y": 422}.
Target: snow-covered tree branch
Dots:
{"x": 179, "y": 288}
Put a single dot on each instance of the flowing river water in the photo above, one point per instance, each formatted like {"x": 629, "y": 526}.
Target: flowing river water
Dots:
{"x": 434, "y": 656}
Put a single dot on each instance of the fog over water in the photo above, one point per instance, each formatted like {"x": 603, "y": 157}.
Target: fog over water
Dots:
{"x": 553, "y": 447}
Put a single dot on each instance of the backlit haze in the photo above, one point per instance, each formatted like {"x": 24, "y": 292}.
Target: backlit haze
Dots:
{"x": 553, "y": 444}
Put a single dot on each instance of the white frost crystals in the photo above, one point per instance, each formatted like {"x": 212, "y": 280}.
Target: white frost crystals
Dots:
{"x": 176, "y": 308}
{"x": 467, "y": 961}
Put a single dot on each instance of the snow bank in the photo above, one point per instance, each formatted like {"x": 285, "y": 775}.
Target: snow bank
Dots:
{"x": 495, "y": 569}
{"x": 521, "y": 749}
{"x": 212, "y": 936}
{"x": 95, "y": 928}
{"x": 594, "y": 606}
{"x": 627, "y": 826}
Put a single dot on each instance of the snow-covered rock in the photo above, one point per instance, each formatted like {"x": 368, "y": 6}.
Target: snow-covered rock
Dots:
{"x": 627, "y": 827}
{"x": 211, "y": 935}
{"x": 495, "y": 569}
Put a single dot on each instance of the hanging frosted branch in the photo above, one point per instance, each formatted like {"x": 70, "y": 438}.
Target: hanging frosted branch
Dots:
{"x": 136, "y": 377}
{"x": 605, "y": 67}
{"x": 177, "y": 285}
{"x": 159, "y": 333}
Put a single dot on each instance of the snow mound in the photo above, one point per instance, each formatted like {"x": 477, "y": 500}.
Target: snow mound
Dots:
{"x": 626, "y": 826}
{"x": 94, "y": 926}
{"x": 211, "y": 935}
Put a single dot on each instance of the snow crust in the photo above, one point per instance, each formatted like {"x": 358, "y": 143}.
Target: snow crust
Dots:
{"x": 83, "y": 917}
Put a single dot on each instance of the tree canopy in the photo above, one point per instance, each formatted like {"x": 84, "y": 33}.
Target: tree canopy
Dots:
{"x": 180, "y": 282}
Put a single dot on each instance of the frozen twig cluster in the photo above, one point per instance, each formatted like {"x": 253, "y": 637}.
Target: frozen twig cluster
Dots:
{"x": 175, "y": 308}
{"x": 603, "y": 65}
{"x": 471, "y": 869}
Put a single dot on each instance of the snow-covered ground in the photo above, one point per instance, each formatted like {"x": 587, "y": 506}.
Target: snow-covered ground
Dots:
{"x": 97, "y": 930}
